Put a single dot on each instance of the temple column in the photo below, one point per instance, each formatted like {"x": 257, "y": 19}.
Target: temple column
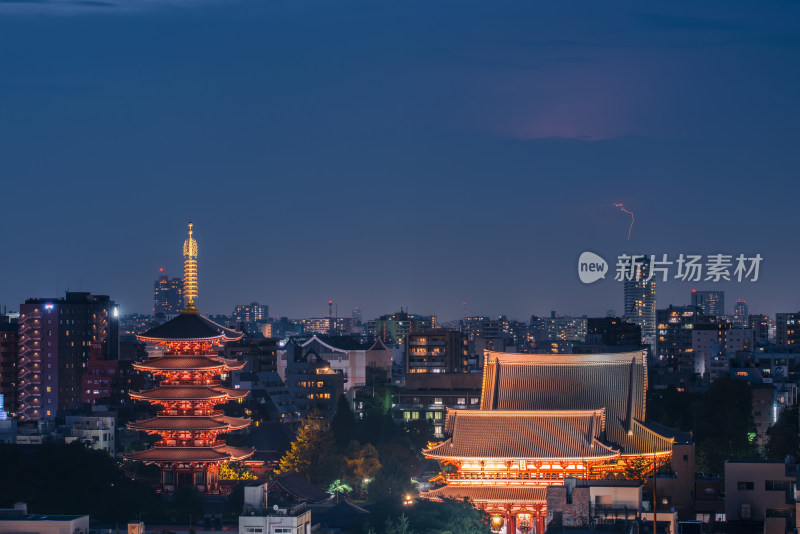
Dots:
{"x": 511, "y": 523}
{"x": 539, "y": 522}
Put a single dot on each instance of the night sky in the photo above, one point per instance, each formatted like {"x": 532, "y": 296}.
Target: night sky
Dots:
{"x": 395, "y": 153}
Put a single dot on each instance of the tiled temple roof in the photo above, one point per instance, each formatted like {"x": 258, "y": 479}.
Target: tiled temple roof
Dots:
{"x": 299, "y": 487}
{"x": 190, "y": 326}
{"x": 509, "y": 494}
{"x": 182, "y": 363}
{"x": 177, "y": 422}
{"x": 615, "y": 382}
{"x": 174, "y": 393}
{"x": 222, "y": 453}
{"x": 531, "y": 435}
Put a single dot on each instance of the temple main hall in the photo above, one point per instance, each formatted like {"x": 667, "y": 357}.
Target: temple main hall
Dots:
{"x": 543, "y": 418}
{"x": 189, "y": 367}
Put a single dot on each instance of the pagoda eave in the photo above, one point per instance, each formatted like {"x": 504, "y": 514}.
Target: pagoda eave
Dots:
{"x": 570, "y": 461}
{"x": 174, "y": 455}
{"x": 168, "y": 423}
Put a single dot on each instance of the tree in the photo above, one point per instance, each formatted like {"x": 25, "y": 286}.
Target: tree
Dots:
{"x": 390, "y": 485}
{"x": 638, "y": 468}
{"x": 338, "y": 487}
{"x": 402, "y": 526}
{"x": 235, "y": 471}
{"x": 782, "y": 438}
{"x": 725, "y": 422}
{"x": 360, "y": 462}
{"x": 449, "y": 517}
{"x": 312, "y": 452}
{"x": 186, "y": 504}
{"x": 71, "y": 479}
{"x": 343, "y": 423}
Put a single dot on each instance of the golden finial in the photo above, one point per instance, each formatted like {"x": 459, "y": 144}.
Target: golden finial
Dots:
{"x": 190, "y": 270}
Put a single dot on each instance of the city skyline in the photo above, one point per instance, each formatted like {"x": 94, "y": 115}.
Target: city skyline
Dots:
{"x": 466, "y": 156}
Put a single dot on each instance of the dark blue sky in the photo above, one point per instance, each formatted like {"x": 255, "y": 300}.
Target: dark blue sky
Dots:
{"x": 385, "y": 154}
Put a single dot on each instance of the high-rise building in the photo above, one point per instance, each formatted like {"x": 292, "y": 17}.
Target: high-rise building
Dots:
{"x": 437, "y": 351}
{"x": 56, "y": 337}
{"x": 609, "y": 335}
{"x": 674, "y": 346}
{"x": 760, "y": 326}
{"x": 190, "y": 452}
{"x": 394, "y": 328}
{"x": 714, "y": 344}
{"x": 167, "y": 297}
{"x": 640, "y": 299}
{"x": 787, "y": 329}
{"x": 9, "y": 355}
{"x": 558, "y": 328}
{"x": 251, "y": 313}
{"x": 740, "y": 314}
{"x": 710, "y": 302}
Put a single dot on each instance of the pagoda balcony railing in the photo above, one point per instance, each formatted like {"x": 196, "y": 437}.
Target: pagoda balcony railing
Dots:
{"x": 514, "y": 476}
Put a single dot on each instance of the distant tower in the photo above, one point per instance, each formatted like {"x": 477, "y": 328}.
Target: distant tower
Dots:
{"x": 167, "y": 296}
{"x": 740, "y": 314}
{"x": 709, "y": 302}
{"x": 640, "y": 300}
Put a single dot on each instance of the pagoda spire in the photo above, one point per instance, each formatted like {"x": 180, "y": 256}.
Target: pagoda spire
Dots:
{"x": 190, "y": 271}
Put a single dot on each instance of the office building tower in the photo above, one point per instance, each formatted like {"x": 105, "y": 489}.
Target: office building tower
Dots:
{"x": 251, "y": 313}
{"x": 760, "y": 326}
{"x": 740, "y": 314}
{"x": 710, "y": 302}
{"x": 787, "y": 329}
{"x": 167, "y": 297}
{"x": 56, "y": 338}
{"x": 640, "y": 299}
{"x": 9, "y": 356}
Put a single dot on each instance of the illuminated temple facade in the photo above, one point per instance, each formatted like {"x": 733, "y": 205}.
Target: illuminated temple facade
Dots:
{"x": 543, "y": 418}
{"x": 189, "y": 392}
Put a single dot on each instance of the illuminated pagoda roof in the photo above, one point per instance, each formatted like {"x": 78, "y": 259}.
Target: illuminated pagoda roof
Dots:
{"x": 218, "y": 453}
{"x": 188, "y": 363}
{"x": 190, "y": 326}
{"x": 501, "y": 494}
{"x": 614, "y": 382}
{"x": 530, "y": 435}
{"x": 188, "y": 393}
{"x": 180, "y": 423}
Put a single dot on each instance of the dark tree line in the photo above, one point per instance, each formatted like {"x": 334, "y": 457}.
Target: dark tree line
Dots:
{"x": 720, "y": 420}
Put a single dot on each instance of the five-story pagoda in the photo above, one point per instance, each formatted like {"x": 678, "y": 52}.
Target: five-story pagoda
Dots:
{"x": 190, "y": 451}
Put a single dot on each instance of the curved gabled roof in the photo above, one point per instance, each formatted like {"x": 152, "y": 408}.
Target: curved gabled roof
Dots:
{"x": 220, "y": 453}
{"x": 616, "y": 382}
{"x": 190, "y": 326}
{"x": 188, "y": 363}
{"x": 504, "y": 494}
{"x": 176, "y": 393}
{"x": 168, "y": 423}
{"x": 532, "y": 435}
